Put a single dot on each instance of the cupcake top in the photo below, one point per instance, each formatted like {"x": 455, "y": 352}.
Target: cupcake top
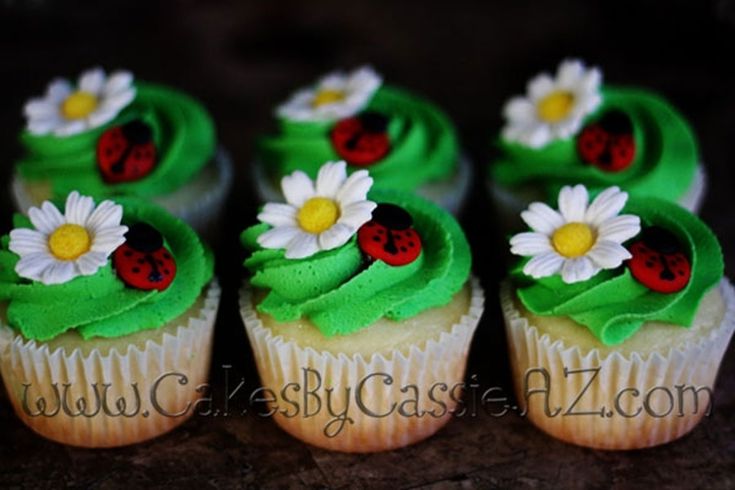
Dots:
{"x": 104, "y": 270}
{"x": 343, "y": 255}
{"x": 404, "y": 140}
{"x": 572, "y": 128}
{"x": 112, "y": 135}
{"x": 612, "y": 265}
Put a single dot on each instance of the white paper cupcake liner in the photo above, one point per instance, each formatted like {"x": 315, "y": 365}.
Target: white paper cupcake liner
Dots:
{"x": 510, "y": 205}
{"x": 655, "y": 376}
{"x": 440, "y": 360}
{"x": 450, "y": 194}
{"x": 199, "y": 203}
{"x": 32, "y": 372}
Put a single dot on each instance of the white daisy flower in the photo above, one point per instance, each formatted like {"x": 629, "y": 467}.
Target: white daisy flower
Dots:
{"x": 553, "y": 108}
{"x": 62, "y": 247}
{"x": 319, "y": 216}
{"x": 335, "y": 96}
{"x": 579, "y": 240}
{"x": 67, "y": 110}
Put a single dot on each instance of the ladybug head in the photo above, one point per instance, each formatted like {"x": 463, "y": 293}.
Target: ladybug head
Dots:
{"x": 661, "y": 240}
{"x": 373, "y": 122}
{"x": 137, "y": 132}
{"x": 392, "y": 217}
{"x": 616, "y": 122}
{"x": 144, "y": 238}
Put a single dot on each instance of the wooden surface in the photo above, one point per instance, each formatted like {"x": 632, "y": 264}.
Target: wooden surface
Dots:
{"x": 241, "y": 59}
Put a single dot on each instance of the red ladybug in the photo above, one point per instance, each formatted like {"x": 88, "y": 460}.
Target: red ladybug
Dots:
{"x": 361, "y": 140}
{"x": 608, "y": 143}
{"x": 142, "y": 262}
{"x": 389, "y": 236}
{"x": 126, "y": 153}
{"x": 659, "y": 262}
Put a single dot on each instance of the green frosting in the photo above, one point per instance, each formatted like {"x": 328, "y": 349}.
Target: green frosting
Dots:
{"x": 339, "y": 294}
{"x": 101, "y": 305}
{"x": 664, "y": 166}
{"x": 183, "y": 133}
{"x": 423, "y": 144}
{"x": 613, "y": 305}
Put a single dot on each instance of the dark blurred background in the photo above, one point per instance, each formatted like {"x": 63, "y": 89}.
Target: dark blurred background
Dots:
{"x": 241, "y": 59}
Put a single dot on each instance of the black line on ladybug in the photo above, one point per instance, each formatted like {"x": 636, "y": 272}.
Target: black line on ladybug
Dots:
{"x": 155, "y": 275}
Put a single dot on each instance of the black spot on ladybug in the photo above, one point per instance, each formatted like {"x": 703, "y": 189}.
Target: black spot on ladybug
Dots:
{"x": 608, "y": 143}
{"x": 382, "y": 237}
{"x": 659, "y": 261}
{"x": 361, "y": 140}
{"x": 139, "y": 260}
{"x": 126, "y": 153}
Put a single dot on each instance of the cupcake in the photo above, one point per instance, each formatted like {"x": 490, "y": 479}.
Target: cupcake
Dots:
{"x": 573, "y": 128}
{"x": 616, "y": 323}
{"x": 108, "y": 136}
{"x": 359, "y": 310}
{"x": 106, "y": 320}
{"x": 407, "y": 143}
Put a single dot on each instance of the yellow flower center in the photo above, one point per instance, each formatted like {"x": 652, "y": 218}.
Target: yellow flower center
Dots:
{"x": 573, "y": 239}
{"x": 556, "y": 106}
{"x": 78, "y": 105}
{"x": 69, "y": 241}
{"x": 327, "y": 96}
{"x": 318, "y": 214}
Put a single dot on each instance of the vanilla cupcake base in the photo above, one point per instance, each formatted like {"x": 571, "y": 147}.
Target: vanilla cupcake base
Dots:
{"x": 199, "y": 203}
{"x": 638, "y": 394}
{"x": 509, "y": 203}
{"x": 450, "y": 194}
{"x": 387, "y": 386}
{"x": 111, "y": 392}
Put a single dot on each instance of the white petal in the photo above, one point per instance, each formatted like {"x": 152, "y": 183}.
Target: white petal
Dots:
{"x": 357, "y": 214}
{"x": 540, "y": 86}
{"x": 69, "y": 127}
{"x": 108, "y": 239}
{"x": 33, "y": 265}
{"x": 591, "y": 81}
{"x": 118, "y": 81}
{"x": 530, "y": 243}
{"x": 107, "y": 215}
{"x": 58, "y": 90}
{"x": 43, "y": 126}
{"x": 535, "y": 135}
{"x": 101, "y": 116}
{"x": 301, "y": 246}
{"x": 541, "y": 218}
{"x": 297, "y": 188}
{"x": 619, "y": 228}
{"x": 92, "y": 81}
{"x": 606, "y": 205}
{"x": 277, "y": 214}
{"x": 24, "y": 241}
{"x": 278, "y": 237}
{"x": 46, "y": 219}
{"x": 520, "y": 109}
{"x": 607, "y": 254}
{"x": 59, "y": 272}
{"x": 355, "y": 188}
{"x": 90, "y": 262}
{"x": 569, "y": 74}
{"x": 543, "y": 265}
{"x": 573, "y": 203}
{"x": 578, "y": 270}
{"x": 41, "y": 109}
{"x": 78, "y": 208}
{"x": 331, "y": 176}
{"x": 335, "y": 236}
{"x": 118, "y": 100}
